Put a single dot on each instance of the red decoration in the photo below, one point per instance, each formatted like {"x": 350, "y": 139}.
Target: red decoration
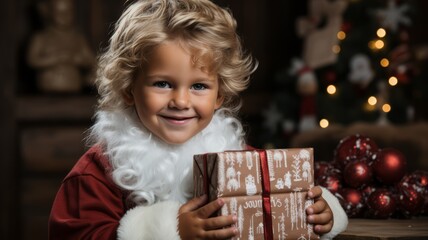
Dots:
{"x": 417, "y": 181}
{"x": 381, "y": 204}
{"x": 332, "y": 180}
{"x": 401, "y": 60}
{"x": 410, "y": 201}
{"x": 358, "y": 173}
{"x": 389, "y": 165}
{"x": 353, "y": 147}
{"x": 320, "y": 169}
{"x": 367, "y": 190}
{"x": 352, "y": 201}
{"x": 350, "y": 176}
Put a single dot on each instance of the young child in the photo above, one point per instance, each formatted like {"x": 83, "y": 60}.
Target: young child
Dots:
{"x": 168, "y": 85}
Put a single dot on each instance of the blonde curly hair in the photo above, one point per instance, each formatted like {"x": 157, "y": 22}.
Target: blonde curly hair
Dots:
{"x": 205, "y": 29}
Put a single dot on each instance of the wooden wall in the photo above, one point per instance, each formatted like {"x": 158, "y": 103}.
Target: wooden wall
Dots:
{"x": 8, "y": 163}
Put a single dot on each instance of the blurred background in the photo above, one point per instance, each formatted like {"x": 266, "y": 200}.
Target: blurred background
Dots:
{"x": 327, "y": 69}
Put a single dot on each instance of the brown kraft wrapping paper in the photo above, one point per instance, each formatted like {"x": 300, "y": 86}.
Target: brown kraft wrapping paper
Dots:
{"x": 237, "y": 177}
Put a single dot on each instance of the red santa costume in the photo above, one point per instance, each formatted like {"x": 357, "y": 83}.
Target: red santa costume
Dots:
{"x": 130, "y": 185}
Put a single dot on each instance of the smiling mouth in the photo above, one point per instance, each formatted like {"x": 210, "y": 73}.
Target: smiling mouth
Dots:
{"x": 177, "y": 120}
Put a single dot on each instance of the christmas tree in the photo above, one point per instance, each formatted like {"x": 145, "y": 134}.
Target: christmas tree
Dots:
{"x": 358, "y": 63}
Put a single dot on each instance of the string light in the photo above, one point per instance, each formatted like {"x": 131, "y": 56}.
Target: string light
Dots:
{"x": 379, "y": 44}
{"x": 372, "y": 100}
{"x": 384, "y": 62}
{"x": 336, "y": 49}
{"x": 341, "y": 35}
{"x": 393, "y": 81}
{"x": 381, "y": 32}
{"x": 324, "y": 123}
{"x": 376, "y": 44}
{"x": 386, "y": 107}
{"x": 331, "y": 89}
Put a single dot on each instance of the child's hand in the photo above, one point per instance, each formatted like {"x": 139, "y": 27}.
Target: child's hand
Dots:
{"x": 319, "y": 214}
{"x": 194, "y": 221}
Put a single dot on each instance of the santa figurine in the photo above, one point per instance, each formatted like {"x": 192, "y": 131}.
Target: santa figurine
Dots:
{"x": 306, "y": 87}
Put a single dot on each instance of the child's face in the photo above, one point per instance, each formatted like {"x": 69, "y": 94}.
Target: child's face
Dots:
{"x": 174, "y": 99}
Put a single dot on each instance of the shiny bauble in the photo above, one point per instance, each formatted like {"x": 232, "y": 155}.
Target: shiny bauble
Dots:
{"x": 413, "y": 189}
{"x": 332, "y": 180}
{"x": 367, "y": 190}
{"x": 357, "y": 173}
{"x": 320, "y": 169}
{"x": 353, "y": 147}
{"x": 389, "y": 166}
{"x": 410, "y": 201}
{"x": 381, "y": 204}
{"x": 352, "y": 201}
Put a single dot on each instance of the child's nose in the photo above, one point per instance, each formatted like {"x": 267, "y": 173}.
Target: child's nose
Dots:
{"x": 180, "y": 99}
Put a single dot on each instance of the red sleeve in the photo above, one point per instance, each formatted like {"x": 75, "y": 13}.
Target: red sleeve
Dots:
{"x": 86, "y": 206}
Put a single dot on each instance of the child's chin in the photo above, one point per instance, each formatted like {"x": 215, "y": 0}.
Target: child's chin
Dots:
{"x": 176, "y": 140}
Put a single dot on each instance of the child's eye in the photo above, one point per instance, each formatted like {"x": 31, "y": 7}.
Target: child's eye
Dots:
{"x": 162, "y": 84}
{"x": 199, "y": 86}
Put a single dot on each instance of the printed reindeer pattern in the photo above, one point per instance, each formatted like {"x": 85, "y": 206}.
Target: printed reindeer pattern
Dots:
{"x": 291, "y": 176}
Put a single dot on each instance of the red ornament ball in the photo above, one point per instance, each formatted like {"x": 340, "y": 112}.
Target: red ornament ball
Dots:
{"x": 389, "y": 165}
{"x": 353, "y": 147}
{"x": 332, "y": 180}
{"x": 418, "y": 180}
{"x": 352, "y": 201}
{"x": 357, "y": 173}
{"x": 367, "y": 190}
{"x": 411, "y": 202}
{"x": 321, "y": 168}
{"x": 381, "y": 204}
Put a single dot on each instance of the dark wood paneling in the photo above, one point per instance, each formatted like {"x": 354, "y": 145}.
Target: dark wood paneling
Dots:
{"x": 51, "y": 149}
{"x": 37, "y": 195}
{"x": 8, "y": 178}
{"x": 70, "y": 108}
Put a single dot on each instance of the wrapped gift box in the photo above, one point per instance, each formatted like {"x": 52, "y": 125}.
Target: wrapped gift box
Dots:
{"x": 266, "y": 189}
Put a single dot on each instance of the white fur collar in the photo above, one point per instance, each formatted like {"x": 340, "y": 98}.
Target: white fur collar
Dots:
{"x": 151, "y": 169}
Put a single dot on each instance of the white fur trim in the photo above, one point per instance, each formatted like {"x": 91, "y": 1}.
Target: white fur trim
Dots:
{"x": 157, "y": 221}
{"x": 150, "y": 169}
{"x": 340, "y": 219}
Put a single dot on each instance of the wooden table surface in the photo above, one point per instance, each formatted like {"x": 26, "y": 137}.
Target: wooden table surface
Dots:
{"x": 374, "y": 229}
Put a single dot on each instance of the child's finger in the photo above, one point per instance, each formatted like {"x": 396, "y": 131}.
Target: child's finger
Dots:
{"x": 219, "y": 222}
{"x": 317, "y": 207}
{"x": 315, "y": 192}
{"x": 321, "y": 229}
{"x": 207, "y": 210}
{"x": 323, "y": 218}
{"x": 193, "y": 204}
{"x": 224, "y": 233}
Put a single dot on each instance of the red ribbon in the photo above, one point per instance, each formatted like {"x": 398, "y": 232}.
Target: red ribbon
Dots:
{"x": 206, "y": 177}
{"x": 267, "y": 211}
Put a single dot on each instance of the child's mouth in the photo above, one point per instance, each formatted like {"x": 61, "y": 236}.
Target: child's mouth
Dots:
{"x": 177, "y": 120}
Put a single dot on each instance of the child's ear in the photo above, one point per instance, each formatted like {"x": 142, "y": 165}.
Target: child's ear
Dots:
{"x": 219, "y": 101}
{"x": 128, "y": 98}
